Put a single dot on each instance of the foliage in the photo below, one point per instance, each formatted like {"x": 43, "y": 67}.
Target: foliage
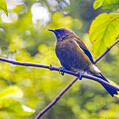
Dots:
{"x": 103, "y": 32}
{"x": 3, "y": 6}
{"x": 106, "y": 4}
{"x": 104, "y": 29}
{"x": 9, "y": 102}
{"x": 24, "y": 36}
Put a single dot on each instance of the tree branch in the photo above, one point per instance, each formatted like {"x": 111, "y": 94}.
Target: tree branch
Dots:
{"x": 54, "y": 68}
{"x": 56, "y": 99}
{"x": 106, "y": 51}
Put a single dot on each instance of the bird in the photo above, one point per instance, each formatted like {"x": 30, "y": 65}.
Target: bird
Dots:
{"x": 75, "y": 56}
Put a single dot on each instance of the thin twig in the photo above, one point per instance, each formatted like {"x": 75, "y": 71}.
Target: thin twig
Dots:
{"x": 56, "y": 99}
{"x": 106, "y": 51}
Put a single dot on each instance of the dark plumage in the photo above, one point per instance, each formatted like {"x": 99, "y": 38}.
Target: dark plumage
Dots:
{"x": 74, "y": 55}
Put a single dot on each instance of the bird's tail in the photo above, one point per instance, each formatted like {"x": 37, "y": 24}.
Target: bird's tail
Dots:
{"x": 96, "y": 72}
{"x": 110, "y": 90}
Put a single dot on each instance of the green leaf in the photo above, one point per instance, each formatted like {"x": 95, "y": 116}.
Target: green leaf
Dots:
{"x": 97, "y": 4}
{"x": 3, "y": 6}
{"x": 103, "y": 32}
{"x": 8, "y": 101}
{"x": 11, "y": 91}
{"x": 106, "y": 4}
{"x": 12, "y": 105}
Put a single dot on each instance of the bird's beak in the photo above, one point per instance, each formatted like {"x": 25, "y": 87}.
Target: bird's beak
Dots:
{"x": 53, "y": 30}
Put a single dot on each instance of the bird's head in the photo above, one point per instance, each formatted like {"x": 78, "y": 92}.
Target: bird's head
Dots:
{"x": 61, "y": 33}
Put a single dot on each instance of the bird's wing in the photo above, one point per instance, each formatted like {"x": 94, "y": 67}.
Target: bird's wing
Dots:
{"x": 84, "y": 48}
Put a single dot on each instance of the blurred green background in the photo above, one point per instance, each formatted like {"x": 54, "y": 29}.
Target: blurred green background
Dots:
{"x": 24, "y": 36}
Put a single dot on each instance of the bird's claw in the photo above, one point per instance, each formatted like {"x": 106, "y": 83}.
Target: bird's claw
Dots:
{"x": 61, "y": 71}
{"x": 51, "y": 67}
{"x": 79, "y": 74}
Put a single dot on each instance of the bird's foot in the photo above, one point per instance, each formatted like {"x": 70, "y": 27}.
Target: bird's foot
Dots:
{"x": 80, "y": 74}
{"x": 61, "y": 71}
{"x": 51, "y": 67}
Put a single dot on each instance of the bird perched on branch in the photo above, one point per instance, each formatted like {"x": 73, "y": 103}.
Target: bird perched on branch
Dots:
{"x": 74, "y": 55}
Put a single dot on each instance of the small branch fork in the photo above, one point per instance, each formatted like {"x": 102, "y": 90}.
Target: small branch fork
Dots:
{"x": 54, "y": 68}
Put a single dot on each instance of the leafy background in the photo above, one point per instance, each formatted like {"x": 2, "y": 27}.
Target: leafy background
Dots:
{"x": 24, "y": 36}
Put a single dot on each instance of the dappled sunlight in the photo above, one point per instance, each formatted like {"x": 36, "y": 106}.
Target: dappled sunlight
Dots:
{"x": 40, "y": 14}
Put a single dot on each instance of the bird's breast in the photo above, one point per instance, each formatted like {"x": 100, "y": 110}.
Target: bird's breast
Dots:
{"x": 71, "y": 56}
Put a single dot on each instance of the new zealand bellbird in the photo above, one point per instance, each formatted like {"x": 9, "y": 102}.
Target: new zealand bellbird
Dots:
{"x": 74, "y": 55}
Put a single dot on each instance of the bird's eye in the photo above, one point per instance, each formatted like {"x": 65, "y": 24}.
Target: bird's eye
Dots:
{"x": 63, "y": 38}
